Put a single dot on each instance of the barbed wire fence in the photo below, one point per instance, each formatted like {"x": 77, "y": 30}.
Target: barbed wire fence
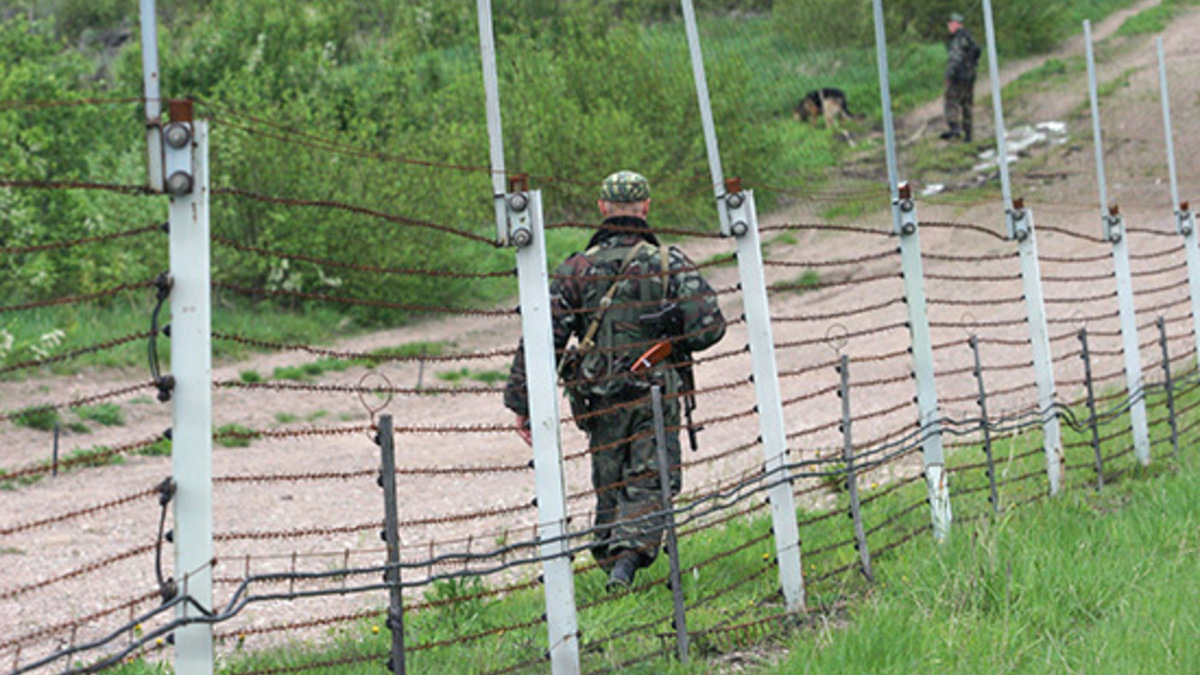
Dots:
{"x": 848, "y": 438}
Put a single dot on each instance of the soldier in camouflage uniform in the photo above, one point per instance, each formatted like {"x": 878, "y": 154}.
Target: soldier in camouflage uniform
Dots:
{"x": 616, "y": 301}
{"x": 961, "y": 61}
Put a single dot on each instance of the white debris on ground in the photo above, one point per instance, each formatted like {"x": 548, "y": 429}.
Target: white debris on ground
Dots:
{"x": 933, "y": 189}
{"x": 1019, "y": 139}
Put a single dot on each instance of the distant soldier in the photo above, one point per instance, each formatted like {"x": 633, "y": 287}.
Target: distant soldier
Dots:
{"x": 961, "y": 61}
{"x": 638, "y": 309}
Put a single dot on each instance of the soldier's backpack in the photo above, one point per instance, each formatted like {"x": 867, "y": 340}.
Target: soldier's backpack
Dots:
{"x": 629, "y": 284}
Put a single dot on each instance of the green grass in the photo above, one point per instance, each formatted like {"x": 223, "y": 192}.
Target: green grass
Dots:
{"x": 464, "y": 373}
{"x": 105, "y": 414}
{"x": 41, "y": 418}
{"x": 245, "y": 436}
{"x": 1154, "y": 19}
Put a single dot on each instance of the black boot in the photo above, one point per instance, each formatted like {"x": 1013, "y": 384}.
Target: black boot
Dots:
{"x": 966, "y": 133}
{"x": 621, "y": 577}
{"x": 954, "y": 132}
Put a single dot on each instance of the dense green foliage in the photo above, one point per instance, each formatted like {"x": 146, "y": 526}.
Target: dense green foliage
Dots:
{"x": 350, "y": 101}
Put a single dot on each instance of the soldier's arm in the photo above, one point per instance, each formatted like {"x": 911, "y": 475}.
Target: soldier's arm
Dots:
{"x": 703, "y": 323}
{"x": 564, "y": 296}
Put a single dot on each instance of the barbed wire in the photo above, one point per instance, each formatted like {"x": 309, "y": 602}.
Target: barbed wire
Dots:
{"x": 140, "y": 190}
{"x": 359, "y": 267}
{"x": 20, "y": 250}
{"x": 76, "y": 299}
{"x": 356, "y": 209}
{"x": 75, "y": 403}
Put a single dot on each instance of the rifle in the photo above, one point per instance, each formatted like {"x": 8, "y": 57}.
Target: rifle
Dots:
{"x": 669, "y": 320}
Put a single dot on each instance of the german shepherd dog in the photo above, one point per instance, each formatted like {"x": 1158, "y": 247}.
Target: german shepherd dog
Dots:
{"x": 827, "y": 102}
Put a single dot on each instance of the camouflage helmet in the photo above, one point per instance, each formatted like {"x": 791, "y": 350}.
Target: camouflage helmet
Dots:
{"x": 625, "y": 186}
{"x": 957, "y": 17}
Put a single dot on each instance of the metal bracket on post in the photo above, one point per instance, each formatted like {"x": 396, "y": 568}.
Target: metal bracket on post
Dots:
{"x": 527, "y": 234}
{"x": 905, "y": 218}
{"x": 186, "y": 163}
{"x": 1021, "y": 224}
{"x": 743, "y": 219}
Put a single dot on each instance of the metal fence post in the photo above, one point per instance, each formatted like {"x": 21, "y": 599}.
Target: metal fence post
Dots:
{"x": 860, "y": 536}
{"x": 491, "y": 87}
{"x": 1114, "y": 232}
{"x": 738, "y": 218}
{"x": 1019, "y": 226}
{"x": 151, "y": 88}
{"x": 1093, "y": 421}
{"x": 664, "y": 482}
{"x": 391, "y": 535}
{"x": 985, "y": 426}
{"x": 743, "y": 220}
{"x": 1185, "y": 220}
{"x": 526, "y": 231}
{"x": 1168, "y": 386}
{"x": 186, "y": 182}
{"x": 706, "y": 117}
{"x": 905, "y": 223}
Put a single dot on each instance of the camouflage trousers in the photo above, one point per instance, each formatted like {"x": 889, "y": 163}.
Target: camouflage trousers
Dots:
{"x": 625, "y": 476}
{"x": 959, "y": 99}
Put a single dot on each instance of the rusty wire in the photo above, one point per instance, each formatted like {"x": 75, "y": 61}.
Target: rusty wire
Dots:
{"x": 1071, "y": 233}
{"x": 18, "y": 250}
{"x": 78, "y": 621}
{"x": 78, "y": 513}
{"x": 837, "y": 262}
{"x": 991, "y": 302}
{"x": 610, "y": 227}
{"x": 1156, "y": 254}
{"x": 353, "y": 208}
{"x": 342, "y": 354}
{"x": 99, "y": 456}
{"x": 1106, "y": 295}
{"x": 74, "y": 185}
{"x": 1007, "y": 278}
{"x": 946, "y": 257}
{"x": 839, "y": 315}
{"x": 75, "y": 403}
{"x": 824, "y": 227}
{"x": 1075, "y": 259}
{"x": 73, "y": 299}
{"x": 355, "y": 389}
{"x": 66, "y": 356}
{"x": 11, "y": 593}
{"x": 852, "y": 334}
{"x": 408, "y": 307}
{"x": 358, "y": 267}
{"x": 784, "y": 286}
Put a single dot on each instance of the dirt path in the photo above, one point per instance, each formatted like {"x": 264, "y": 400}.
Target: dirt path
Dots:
{"x": 343, "y": 513}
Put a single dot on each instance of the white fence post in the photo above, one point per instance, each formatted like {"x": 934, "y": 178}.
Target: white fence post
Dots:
{"x": 186, "y": 182}
{"x": 528, "y": 234}
{"x": 1185, "y": 219}
{"x": 1114, "y": 231}
{"x": 738, "y": 217}
{"x": 1019, "y": 226}
{"x": 904, "y": 215}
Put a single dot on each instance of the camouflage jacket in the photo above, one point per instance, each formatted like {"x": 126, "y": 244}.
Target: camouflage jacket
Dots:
{"x": 578, "y": 288}
{"x": 962, "y": 56}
